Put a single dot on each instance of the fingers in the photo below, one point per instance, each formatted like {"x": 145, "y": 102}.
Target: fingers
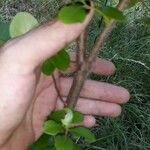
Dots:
{"x": 93, "y": 107}
{"x": 98, "y": 90}
{"x": 89, "y": 121}
{"x": 103, "y": 67}
{"x": 100, "y": 66}
{"x": 43, "y": 42}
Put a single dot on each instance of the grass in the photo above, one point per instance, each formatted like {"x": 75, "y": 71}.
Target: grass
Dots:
{"x": 129, "y": 48}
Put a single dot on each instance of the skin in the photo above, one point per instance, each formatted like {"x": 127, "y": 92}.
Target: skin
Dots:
{"x": 28, "y": 96}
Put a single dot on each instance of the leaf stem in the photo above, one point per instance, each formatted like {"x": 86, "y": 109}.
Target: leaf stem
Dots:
{"x": 58, "y": 90}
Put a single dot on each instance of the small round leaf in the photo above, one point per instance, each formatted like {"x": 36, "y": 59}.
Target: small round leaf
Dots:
{"x": 63, "y": 143}
{"x": 22, "y": 23}
{"x": 50, "y": 127}
{"x": 57, "y": 115}
{"x": 84, "y": 132}
{"x": 72, "y": 14}
{"x": 112, "y": 13}
{"x": 41, "y": 144}
{"x": 48, "y": 67}
{"x": 77, "y": 117}
{"x": 61, "y": 60}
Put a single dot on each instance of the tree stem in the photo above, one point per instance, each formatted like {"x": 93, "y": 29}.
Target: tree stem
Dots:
{"x": 85, "y": 67}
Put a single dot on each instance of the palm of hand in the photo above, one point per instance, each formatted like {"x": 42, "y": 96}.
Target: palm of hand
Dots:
{"x": 92, "y": 102}
{"x": 38, "y": 104}
{"x": 97, "y": 98}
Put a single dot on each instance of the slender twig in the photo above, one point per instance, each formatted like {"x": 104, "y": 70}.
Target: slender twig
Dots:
{"x": 122, "y": 4}
{"x": 81, "y": 48}
{"x": 58, "y": 90}
{"x": 100, "y": 40}
{"x": 81, "y": 75}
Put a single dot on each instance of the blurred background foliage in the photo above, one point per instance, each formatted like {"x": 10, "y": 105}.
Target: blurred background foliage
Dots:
{"x": 129, "y": 48}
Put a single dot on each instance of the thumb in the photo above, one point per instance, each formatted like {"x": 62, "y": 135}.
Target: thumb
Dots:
{"x": 35, "y": 47}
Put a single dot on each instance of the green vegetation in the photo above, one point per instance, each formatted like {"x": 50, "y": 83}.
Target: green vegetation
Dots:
{"x": 129, "y": 48}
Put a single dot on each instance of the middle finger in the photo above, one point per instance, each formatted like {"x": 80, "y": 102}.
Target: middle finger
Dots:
{"x": 97, "y": 90}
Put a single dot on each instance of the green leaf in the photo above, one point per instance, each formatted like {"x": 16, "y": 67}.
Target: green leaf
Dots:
{"x": 100, "y": 13}
{"x": 4, "y": 32}
{"x": 68, "y": 117}
{"x": 72, "y": 14}
{"x": 1, "y": 43}
{"x": 76, "y": 147}
{"x": 147, "y": 22}
{"x": 61, "y": 60}
{"x": 112, "y": 13}
{"x": 84, "y": 132}
{"x": 57, "y": 115}
{"x": 22, "y": 23}
{"x": 131, "y": 3}
{"x": 48, "y": 67}
{"x": 50, "y": 127}
{"x": 63, "y": 143}
{"x": 77, "y": 117}
{"x": 41, "y": 144}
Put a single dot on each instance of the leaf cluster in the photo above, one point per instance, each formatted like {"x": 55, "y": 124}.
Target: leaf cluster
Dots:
{"x": 64, "y": 124}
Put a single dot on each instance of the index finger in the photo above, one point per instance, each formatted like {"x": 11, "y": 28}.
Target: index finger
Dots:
{"x": 38, "y": 45}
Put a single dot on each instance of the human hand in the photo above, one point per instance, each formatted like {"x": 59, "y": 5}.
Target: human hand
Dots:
{"x": 27, "y": 96}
